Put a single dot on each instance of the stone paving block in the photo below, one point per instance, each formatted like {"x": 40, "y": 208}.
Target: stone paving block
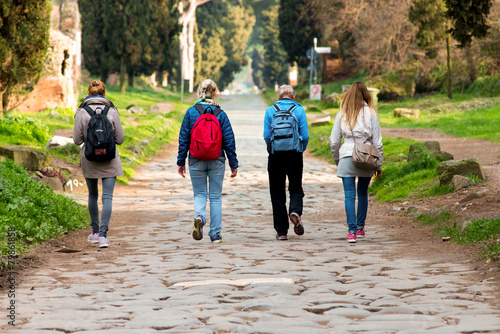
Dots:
{"x": 349, "y": 312}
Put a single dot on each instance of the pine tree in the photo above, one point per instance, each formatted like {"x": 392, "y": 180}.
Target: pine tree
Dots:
{"x": 97, "y": 57}
{"x": 24, "y": 39}
{"x": 469, "y": 19}
{"x": 298, "y": 28}
{"x": 275, "y": 66}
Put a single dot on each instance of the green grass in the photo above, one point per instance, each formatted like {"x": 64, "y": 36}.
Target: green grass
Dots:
{"x": 142, "y": 97}
{"x": 406, "y": 180}
{"x": 319, "y": 141}
{"x": 464, "y": 117}
{"x": 269, "y": 96}
{"x": 485, "y": 232}
{"x": 33, "y": 213}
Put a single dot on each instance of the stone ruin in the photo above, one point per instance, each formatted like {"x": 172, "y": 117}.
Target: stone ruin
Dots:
{"x": 58, "y": 87}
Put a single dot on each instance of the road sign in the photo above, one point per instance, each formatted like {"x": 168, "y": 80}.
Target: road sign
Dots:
{"x": 308, "y": 54}
{"x": 315, "y": 92}
{"x": 323, "y": 49}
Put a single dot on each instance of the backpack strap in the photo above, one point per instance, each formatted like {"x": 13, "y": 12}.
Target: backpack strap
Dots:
{"x": 92, "y": 112}
{"x": 202, "y": 110}
{"x": 89, "y": 110}
{"x": 289, "y": 109}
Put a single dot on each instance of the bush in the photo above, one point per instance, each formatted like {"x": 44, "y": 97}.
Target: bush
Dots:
{"x": 33, "y": 210}
{"x": 24, "y": 129}
{"x": 485, "y": 86}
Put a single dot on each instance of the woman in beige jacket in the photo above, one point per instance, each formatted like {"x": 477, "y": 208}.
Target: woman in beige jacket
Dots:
{"x": 93, "y": 171}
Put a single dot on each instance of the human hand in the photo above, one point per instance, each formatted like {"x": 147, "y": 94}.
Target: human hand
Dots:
{"x": 234, "y": 172}
{"x": 378, "y": 174}
{"x": 182, "y": 171}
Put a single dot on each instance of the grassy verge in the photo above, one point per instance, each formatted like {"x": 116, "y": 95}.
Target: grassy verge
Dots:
{"x": 269, "y": 96}
{"x": 465, "y": 117}
{"x": 31, "y": 213}
{"x": 485, "y": 232}
{"x": 144, "y": 133}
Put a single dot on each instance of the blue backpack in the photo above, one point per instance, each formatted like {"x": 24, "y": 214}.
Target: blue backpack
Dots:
{"x": 285, "y": 131}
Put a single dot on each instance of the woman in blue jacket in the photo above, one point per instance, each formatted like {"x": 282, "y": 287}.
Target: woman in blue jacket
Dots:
{"x": 207, "y": 174}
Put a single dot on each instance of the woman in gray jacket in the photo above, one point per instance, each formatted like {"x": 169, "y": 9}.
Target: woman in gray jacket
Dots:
{"x": 92, "y": 170}
{"x": 355, "y": 121}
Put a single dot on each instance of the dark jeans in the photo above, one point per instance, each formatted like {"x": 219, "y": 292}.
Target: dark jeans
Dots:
{"x": 280, "y": 165}
{"x": 108, "y": 186}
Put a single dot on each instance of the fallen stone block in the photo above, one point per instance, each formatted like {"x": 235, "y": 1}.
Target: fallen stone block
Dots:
{"x": 447, "y": 169}
{"x": 458, "y": 182}
{"x": 58, "y": 141}
{"x": 407, "y": 113}
{"x": 25, "y": 157}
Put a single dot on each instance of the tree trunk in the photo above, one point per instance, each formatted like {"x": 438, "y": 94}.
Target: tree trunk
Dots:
{"x": 131, "y": 79}
{"x": 471, "y": 64}
{"x": 448, "y": 63}
{"x": 123, "y": 72}
{"x": 4, "y": 99}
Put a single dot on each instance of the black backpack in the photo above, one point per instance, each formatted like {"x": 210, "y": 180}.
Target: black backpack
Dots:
{"x": 100, "y": 143}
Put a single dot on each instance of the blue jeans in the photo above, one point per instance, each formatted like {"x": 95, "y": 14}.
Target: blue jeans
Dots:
{"x": 356, "y": 222}
{"x": 213, "y": 172}
{"x": 108, "y": 186}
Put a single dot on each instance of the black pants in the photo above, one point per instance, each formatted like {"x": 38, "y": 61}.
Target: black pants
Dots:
{"x": 280, "y": 165}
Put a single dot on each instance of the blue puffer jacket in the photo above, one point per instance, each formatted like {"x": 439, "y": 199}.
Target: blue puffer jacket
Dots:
{"x": 228, "y": 141}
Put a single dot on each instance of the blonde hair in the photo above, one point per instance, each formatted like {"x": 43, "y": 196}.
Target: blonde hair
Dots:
{"x": 97, "y": 87}
{"x": 207, "y": 89}
{"x": 286, "y": 91}
{"x": 353, "y": 102}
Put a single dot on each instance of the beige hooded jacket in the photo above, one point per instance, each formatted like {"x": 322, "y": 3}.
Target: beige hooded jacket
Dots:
{"x": 91, "y": 169}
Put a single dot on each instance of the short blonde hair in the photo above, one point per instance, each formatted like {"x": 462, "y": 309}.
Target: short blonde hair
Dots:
{"x": 207, "y": 89}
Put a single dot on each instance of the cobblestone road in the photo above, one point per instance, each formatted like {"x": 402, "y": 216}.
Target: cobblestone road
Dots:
{"x": 166, "y": 282}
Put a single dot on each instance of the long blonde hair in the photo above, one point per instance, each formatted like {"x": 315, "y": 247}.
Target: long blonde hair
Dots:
{"x": 353, "y": 102}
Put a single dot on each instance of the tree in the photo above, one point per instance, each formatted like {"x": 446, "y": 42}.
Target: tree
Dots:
{"x": 433, "y": 26}
{"x": 223, "y": 30}
{"x": 429, "y": 17}
{"x": 130, "y": 37}
{"x": 97, "y": 57}
{"x": 275, "y": 66}
{"x": 160, "y": 52}
{"x": 238, "y": 28}
{"x": 444, "y": 19}
{"x": 298, "y": 27}
{"x": 24, "y": 39}
{"x": 125, "y": 27}
{"x": 468, "y": 19}
{"x": 257, "y": 67}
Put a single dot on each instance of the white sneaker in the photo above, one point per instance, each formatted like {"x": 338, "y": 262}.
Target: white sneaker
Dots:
{"x": 93, "y": 238}
{"x": 103, "y": 242}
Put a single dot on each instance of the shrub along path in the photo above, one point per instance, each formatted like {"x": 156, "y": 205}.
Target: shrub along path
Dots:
{"x": 315, "y": 283}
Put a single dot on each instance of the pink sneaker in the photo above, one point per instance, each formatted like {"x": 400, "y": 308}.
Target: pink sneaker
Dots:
{"x": 360, "y": 233}
{"x": 351, "y": 238}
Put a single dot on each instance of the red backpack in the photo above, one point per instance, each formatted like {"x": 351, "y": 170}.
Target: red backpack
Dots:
{"x": 206, "y": 135}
